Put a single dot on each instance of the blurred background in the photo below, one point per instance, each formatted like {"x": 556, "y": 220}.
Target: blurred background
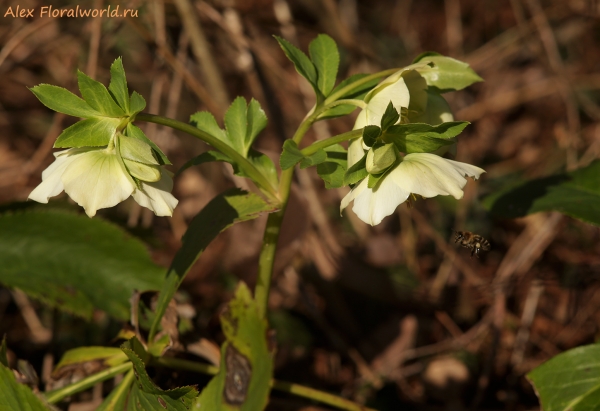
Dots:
{"x": 394, "y": 316}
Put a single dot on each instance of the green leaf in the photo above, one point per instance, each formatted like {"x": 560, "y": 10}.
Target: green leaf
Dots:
{"x": 91, "y": 132}
{"x": 291, "y": 155}
{"x": 223, "y": 211}
{"x": 446, "y": 73}
{"x": 148, "y": 396}
{"x": 301, "y": 61}
{"x": 370, "y": 135}
{"x": 73, "y": 262}
{"x": 570, "y": 381}
{"x": 137, "y": 133}
{"x": 243, "y": 124}
{"x": 136, "y": 103}
{"x": 324, "y": 54}
{"x": 390, "y": 117}
{"x": 110, "y": 356}
{"x": 205, "y": 157}
{"x": 97, "y": 96}
{"x": 357, "y": 172}
{"x": 576, "y": 194}
{"x": 118, "y": 84}
{"x": 243, "y": 381}
{"x": 423, "y": 138}
{"x": 62, "y": 100}
{"x": 333, "y": 169}
{"x": 205, "y": 121}
{"x": 15, "y": 396}
{"x": 314, "y": 159}
{"x": 264, "y": 164}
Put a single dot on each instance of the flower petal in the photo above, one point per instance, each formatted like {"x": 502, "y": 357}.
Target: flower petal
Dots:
{"x": 429, "y": 175}
{"x": 355, "y": 151}
{"x": 397, "y": 93}
{"x": 51, "y": 184}
{"x": 372, "y": 206}
{"x": 97, "y": 179}
{"x": 157, "y": 196}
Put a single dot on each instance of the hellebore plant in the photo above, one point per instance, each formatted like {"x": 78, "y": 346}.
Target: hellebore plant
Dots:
{"x": 394, "y": 151}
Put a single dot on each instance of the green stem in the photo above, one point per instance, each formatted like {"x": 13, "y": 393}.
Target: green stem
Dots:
{"x": 56, "y": 395}
{"x": 316, "y": 146}
{"x": 345, "y": 90}
{"x": 291, "y": 388}
{"x": 273, "y": 228}
{"x": 220, "y": 145}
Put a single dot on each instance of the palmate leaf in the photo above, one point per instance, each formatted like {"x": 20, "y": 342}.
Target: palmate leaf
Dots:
{"x": 243, "y": 123}
{"x": 73, "y": 262}
{"x": 576, "y": 194}
{"x": 246, "y": 362}
{"x": 91, "y": 132}
{"x": 423, "y": 138}
{"x": 446, "y": 73}
{"x": 223, "y": 211}
{"x": 570, "y": 381}
{"x": 97, "y": 96}
{"x": 147, "y": 396}
{"x": 15, "y": 396}
{"x": 332, "y": 170}
{"x": 118, "y": 84}
{"x": 302, "y": 63}
{"x": 325, "y": 56}
{"x": 63, "y": 101}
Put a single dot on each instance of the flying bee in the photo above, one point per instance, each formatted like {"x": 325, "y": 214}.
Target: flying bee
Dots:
{"x": 472, "y": 241}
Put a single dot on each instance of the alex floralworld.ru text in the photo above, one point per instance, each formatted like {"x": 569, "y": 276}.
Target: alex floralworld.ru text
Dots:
{"x": 49, "y": 11}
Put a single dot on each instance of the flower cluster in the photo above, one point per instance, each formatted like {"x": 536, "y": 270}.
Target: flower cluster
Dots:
{"x": 399, "y": 176}
{"x": 103, "y": 177}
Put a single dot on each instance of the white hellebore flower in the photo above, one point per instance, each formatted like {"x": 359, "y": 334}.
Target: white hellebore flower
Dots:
{"x": 99, "y": 178}
{"x": 425, "y": 174}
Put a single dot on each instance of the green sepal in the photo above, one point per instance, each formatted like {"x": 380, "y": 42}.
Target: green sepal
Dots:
{"x": 326, "y": 58}
{"x": 333, "y": 169}
{"x": 137, "y": 150}
{"x": 370, "y": 135}
{"x": 357, "y": 172}
{"x": 63, "y": 101}
{"x": 91, "y": 132}
{"x": 143, "y": 172}
{"x": 97, "y": 96}
{"x": 135, "y": 132}
{"x": 381, "y": 157}
{"x": 118, "y": 85}
{"x": 390, "y": 117}
{"x": 446, "y": 73}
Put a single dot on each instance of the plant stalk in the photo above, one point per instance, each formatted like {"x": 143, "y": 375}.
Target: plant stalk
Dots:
{"x": 57, "y": 395}
{"x": 220, "y": 145}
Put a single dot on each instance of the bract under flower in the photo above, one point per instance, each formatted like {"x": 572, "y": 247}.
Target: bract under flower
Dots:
{"x": 420, "y": 173}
